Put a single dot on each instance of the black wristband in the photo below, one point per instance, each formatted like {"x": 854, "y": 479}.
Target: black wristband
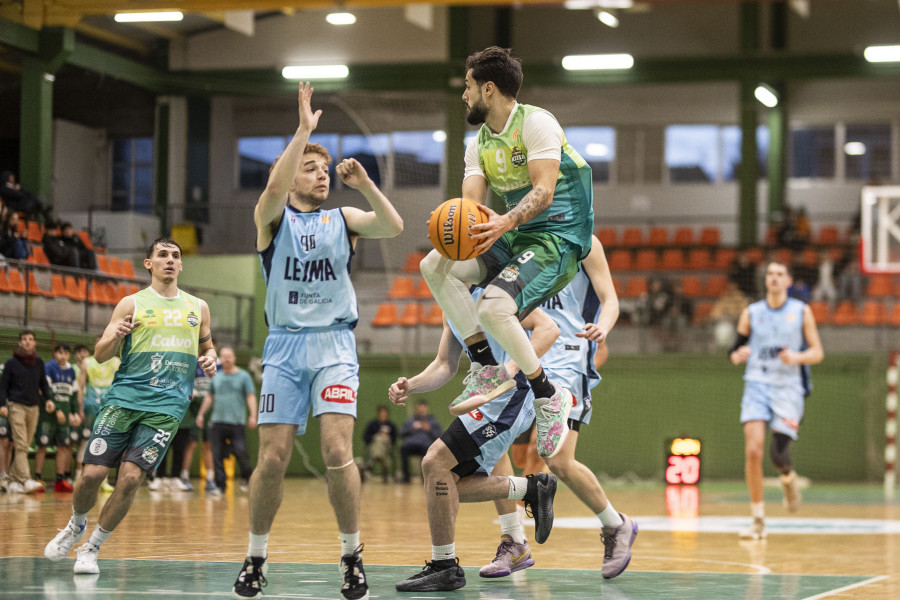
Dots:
{"x": 739, "y": 340}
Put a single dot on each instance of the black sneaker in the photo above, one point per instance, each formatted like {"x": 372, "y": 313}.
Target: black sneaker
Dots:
{"x": 354, "y": 586}
{"x": 539, "y": 504}
{"x": 252, "y": 578}
{"x": 437, "y": 576}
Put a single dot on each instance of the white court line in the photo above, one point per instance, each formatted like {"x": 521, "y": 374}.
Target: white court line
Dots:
{"x": 760, "y": 569}
{"x": 847, "y": 587}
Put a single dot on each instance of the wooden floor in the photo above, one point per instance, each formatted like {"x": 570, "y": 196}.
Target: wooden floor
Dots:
{"x": 844, "y": 543}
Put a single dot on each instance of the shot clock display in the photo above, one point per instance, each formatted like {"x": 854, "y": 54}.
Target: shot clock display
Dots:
{"x": 683, "y": 461}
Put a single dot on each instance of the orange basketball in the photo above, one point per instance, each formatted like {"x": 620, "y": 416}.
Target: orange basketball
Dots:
{"x": 448, "y": 228}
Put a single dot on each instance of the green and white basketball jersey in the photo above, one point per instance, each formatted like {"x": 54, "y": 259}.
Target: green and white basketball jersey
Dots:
{"x": 159, "y": 357}
{"x": 504, "y": 161}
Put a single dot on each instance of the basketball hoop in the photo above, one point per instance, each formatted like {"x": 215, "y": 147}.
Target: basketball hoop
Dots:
{"x": 879, "y": 236}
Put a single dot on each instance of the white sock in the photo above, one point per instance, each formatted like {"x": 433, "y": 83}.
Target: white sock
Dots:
{"x": 447, "y": 552}
{"x": 349, "y": 543}
{"x": 258, "y": 545}
{"x": 517, "y": 487}
{"x": 79, "y": 520}
{"x": 609, "y": 517}
{"x": 510, "y": 525}
{"x": 758, "y": 510}
{"x": 185, "y": 474}
{"x": 99, "y": 536}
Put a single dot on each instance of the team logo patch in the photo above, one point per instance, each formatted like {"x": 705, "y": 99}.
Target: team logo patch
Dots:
{"x": 509, "y": 274}
{"x": 156, "y": 362}
{"x": 98, "y": 447}
{"x": 293, "y": 297}
{"x": 193, "y": 319}
{"x": 476, "y": 414}
{"x": 339, "y": 393}
{"x": 489, "y": 431}
{"x": 189, "y": 303}
{"x": 326, "y": 219}
{"x": 518, "y": 157}
{"x": 3, "y": 430}
{"x": 149, "y": 455}
{"x": 45, "y": 439}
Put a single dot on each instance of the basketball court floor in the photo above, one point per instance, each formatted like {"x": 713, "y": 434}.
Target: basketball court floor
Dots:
{"x": 844, "y": 543}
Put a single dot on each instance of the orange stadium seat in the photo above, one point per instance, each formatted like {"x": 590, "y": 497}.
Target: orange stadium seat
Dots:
{"x": 57, "y": 286}
{"x": 845, "y": 314}
{"x": 784, "y": 255}
{"x": 76, "y": 288}
{"x": 115, "y": 266}
{"x": 434, "y": 316}
{"x": 617, "y": 284}
{"x": 684, "y": 236}
{"x": 771, "y": 235}
{"x": 402, "y": 287}
{"x": 702, "y": 311}
{"x": 672, "y": 259}
{"x": 699, "y": 259}
{"x": 16, "y": 281}
{"x": 34, "y": 289}
{"x": 620, "y": 260}
{"x": 386, "y": 315}
{"x": 710, "y": 236}
{"x": 422, "y": 290}
{"x": 4, "y": 282}
{"x": 86, "y": 239}
{"x": 659, "y": 236}
{"x": 880, "y": 286}
{"x": 715, "y": 286}
{"x": 893, "y": 317}
{"x": 632, "y": 236}
{"x": 103, "y": 263}
{"x": 412, "y": 262}
{"x": 828, "y": 234}
{"x": 35, "y": 232}
{"x": 690, "y": 286}
{"x": 645, "y": 260}
{"x": 755, "y": 255}
{"x": 724, "y": 258}
{"x": 636, "y": 286}
{"x": 413, "y": 314}
{"x": 38, "y": 256}
{"x": 128, "y": 269}
{"x": 607, "y": 236}
{"x": 873, "y": 313}
{"x": 820, "y": 312}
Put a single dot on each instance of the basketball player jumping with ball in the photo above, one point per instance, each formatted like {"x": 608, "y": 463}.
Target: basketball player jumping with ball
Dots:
{"x": 527, "y": 254}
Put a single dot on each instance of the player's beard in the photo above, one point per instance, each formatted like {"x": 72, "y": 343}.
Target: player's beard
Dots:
{"x": 477, "y": 113}
{"x": 314, "y": 200}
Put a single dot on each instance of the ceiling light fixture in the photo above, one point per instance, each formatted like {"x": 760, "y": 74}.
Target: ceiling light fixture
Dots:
{"x": 882, "y": 54}
{"x": 341, "y": 18}
{"x": 147, "y": 17}
{"x": 766, "y": 95}
{"x": 315, "y": 72}
{"x": 597, "y": 62}
{"x": 607, "y": 18}
{"x": 854, "y": 148}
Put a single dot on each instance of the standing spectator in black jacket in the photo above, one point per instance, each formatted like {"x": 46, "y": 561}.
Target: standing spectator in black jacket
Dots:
{"x": 23, "y": 392}
{"x": 418, "y": 433}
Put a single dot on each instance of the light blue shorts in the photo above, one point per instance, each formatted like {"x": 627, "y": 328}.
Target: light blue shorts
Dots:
{"x": 781, "y": 406}
{"x": 494, "y": 438}
{"x": 303, "y": 370}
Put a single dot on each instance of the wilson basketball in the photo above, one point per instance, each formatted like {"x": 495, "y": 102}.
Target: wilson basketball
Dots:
{"x": 448, "y": 228}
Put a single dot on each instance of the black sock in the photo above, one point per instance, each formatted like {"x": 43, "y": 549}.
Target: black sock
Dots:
{"x": 440, "y": 565}
{"x": 59, "y": 477}
{"x": 67, "y": 475}
{"x": 480, "y": 352}
{"x": 541, "y": 386}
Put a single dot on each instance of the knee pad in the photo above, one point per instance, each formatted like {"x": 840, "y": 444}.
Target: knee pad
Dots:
{"x": 780, "y": 452}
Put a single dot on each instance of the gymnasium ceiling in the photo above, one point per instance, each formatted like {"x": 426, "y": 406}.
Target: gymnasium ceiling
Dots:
{"x": 93, "y": 19}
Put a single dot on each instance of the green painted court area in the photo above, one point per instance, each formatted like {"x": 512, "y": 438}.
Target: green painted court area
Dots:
{"x": 28, "y": 578}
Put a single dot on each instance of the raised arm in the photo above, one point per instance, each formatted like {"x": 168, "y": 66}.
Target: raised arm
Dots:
{"x": 597, "y": 270}
{"x": 383, "y": 221}
{"x": 269, "y": 208}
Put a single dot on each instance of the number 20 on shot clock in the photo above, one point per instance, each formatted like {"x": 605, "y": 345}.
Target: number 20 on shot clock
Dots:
{"x": 683, "y": 461}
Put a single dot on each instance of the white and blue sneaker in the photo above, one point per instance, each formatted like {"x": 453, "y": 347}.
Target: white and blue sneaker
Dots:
{"x": 59, "y": 547}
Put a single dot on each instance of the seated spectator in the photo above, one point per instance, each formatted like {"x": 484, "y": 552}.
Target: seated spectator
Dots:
{"x": 803, "y": 228}
{"x": 20, "y": 200}
{"x": 12, "y": 243}
{"x": 657, "y": 302}
{"x": 67, "y": 249}
{"x": 380, "y": 436}
{"x": 676, "y": 320}
{"x": 742, "y": 272}
{"x": 850, "y": 283}
{"x": 417, "y": 433}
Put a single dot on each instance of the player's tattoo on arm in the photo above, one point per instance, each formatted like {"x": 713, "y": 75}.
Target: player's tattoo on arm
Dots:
{"x": 533, "y": 204}
{"x": 206, "y": 338}
{"x": 441, "y": 488}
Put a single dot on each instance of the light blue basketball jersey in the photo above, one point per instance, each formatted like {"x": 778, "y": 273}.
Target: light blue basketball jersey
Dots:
{"x": 500, "y": 409}
{"x": 307, "y": 272}
{"x": 570, "y": 361}
{"x": 770, "y": 331}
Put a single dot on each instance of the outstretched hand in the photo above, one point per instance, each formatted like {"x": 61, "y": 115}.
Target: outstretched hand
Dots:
{"x": 399, "y": 392}
{"x": 125, "y": 326}
{"x": 593, "y": 333}
{"x": 309, "y": 120}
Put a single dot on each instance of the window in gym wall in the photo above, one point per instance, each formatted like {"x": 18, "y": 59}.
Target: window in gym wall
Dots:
{"x": 731, "y": 152}
{"x": 867, "y": 152}
{"x": 693, "y": 153}
{"x": 256, "y": 155}
{"x": 418, "y": 156}
{"x": 596, "y": 145}
{"x": 812, "y": 152}
{"x": 132, "y": 175}
{"x": 370, "y": 150}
